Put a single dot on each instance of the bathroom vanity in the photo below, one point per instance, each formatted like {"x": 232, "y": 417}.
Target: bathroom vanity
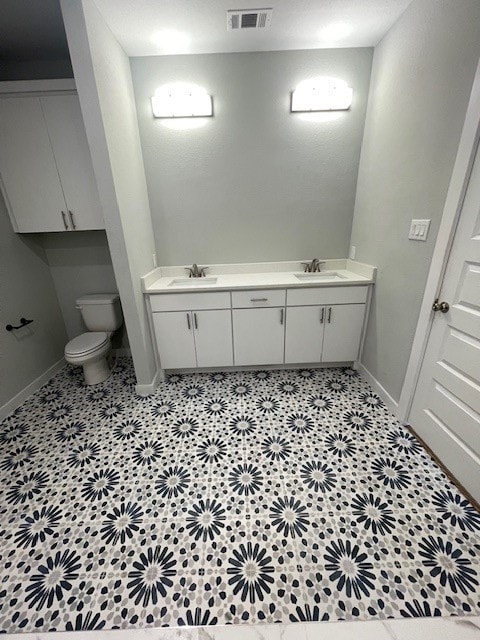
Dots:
{"x": 259, "y": 314}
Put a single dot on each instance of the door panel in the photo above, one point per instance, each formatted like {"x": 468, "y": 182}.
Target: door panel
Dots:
{"x": 27, "y": 167}
{"x": 213, "y": 338}
{"x": 304, "y": 334}
{"x": 174, "y": 337}
{"x": 446, "y": 406}
{"x": 343, "y": 330}
{"x": 258, "y": 336}
{"x": 69, "y": 141}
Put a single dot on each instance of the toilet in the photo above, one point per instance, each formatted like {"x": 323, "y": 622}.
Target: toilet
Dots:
{"x": 102, "y": 315}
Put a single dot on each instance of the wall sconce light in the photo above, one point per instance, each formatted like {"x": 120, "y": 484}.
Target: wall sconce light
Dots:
{"x": 321, "y": 94}
{"x": 181, "y": 100}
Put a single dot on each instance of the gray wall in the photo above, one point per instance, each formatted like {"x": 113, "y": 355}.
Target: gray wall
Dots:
{"x": 256, "y": 182}
{"x": 421, "y": 80}
{"x": 35, "y": 69}
{"x": 80, "y": 263}
{"x": 26, "y": 289}
{"x": 104, "y": 84}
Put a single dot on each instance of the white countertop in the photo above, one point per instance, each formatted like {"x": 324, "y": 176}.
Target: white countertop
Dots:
{"x": 265, "y": 275}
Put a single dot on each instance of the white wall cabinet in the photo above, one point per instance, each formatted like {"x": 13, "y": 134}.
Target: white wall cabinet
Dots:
{"x": 266, "y": 327}
{"x": 46, "y": 172}
{"x": 190, "y": 339}
{"x": 258, "y": 336}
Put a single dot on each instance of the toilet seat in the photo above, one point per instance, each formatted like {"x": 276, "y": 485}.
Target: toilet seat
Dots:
{"x": 86, "y": 343}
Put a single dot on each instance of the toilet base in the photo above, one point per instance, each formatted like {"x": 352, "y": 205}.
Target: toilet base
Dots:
{"x": 96, "y": 371}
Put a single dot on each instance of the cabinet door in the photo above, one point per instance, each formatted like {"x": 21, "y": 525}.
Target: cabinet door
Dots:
{"x": 304, "y": 334}
{"x": 213, "y": 338}
{"x": 258, "y": 336}
{"x": 174, "y": 337}
{"x": 70, "y": 148}
{"x": 28, "y": 171}
{"x": 343, "y": 330}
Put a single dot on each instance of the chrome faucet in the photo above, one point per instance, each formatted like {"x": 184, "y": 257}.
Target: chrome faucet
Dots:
{"x": 196, "y": 272}
{"x": 313, "y": 266}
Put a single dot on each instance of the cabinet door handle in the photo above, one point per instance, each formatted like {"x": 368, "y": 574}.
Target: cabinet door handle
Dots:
{"x": 329, "y": 314}
{"x": 188, "y": 322}
{"x": 322, "y": 315}
{"x": 74, "y": 226}
{"x": 195, "y": 320}
{"x": 64, "y": 217}
{"x": 281, "y": 315}
{"x": 258, "y": 299}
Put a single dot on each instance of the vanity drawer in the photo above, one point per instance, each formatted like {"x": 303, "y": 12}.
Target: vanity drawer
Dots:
{"x": 190, "y": 301}
{"x": 258, "y": 298}
{"x": 326, "y": 295}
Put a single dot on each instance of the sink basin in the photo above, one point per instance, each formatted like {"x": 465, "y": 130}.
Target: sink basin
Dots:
{"x": 322, "y": 276}
{"x": 191, "y": 282}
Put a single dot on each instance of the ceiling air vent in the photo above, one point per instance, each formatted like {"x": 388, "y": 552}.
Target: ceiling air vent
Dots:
{"x": 248, "y": 19}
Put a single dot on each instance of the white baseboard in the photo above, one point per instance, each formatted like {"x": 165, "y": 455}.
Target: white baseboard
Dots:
{"x": 379, "y": 389}
{"x": 22, "y": 395}
{"x": 149, "y": 389}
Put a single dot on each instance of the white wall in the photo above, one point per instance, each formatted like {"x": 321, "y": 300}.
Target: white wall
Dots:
{"x": 421, "y": 80}
{"x": 103, "y": 80}
{"x": 26, "y": 290}
{"x": 255, "y": 182}
{"x": 80, "y": 263}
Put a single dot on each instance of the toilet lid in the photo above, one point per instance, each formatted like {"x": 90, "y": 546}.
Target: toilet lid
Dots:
{"x": 86, "y": 343}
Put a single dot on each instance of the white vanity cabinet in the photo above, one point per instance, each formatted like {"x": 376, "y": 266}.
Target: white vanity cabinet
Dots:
{"x": 46, "y": 171}
{"x": 198, "y": 335}
{"x": 258, "y": 326}
{"x": 328, "y": 332}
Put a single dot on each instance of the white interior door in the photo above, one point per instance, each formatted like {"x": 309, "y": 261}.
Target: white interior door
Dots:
{"x": 69, "y": 141}
{"x": 304, "y": 334}
{"x": 213, "y": 338}
{"x": 343, "y": 330}
{"x": 258, "y": 336}
{"x": 27, "y": 167}
{"x": 446, "y": 405}
{"x": 175, "y": 342}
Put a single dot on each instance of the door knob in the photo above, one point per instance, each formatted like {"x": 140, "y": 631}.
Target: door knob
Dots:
{"x": 440, "y": 306}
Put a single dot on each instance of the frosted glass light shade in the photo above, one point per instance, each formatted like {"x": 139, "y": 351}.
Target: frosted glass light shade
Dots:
{"x": 181, "y": 100}
{"x": 322, "y": 94}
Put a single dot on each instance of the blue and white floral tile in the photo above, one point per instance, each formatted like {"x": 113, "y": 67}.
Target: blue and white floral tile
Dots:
{"x": 268, "y": 496}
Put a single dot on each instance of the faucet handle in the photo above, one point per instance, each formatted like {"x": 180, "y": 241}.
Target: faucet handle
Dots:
{"x": 307, "y": 266}
{"x": 319, "y": 262}
{"x": 189, "y": 270}
{"x": 202, "y": 271}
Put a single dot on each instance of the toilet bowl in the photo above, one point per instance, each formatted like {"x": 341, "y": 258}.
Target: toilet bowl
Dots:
{"x": 90, "y": 350}
{"x": 102, "y": 315}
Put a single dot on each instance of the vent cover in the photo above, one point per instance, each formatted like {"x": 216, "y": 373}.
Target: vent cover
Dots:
{"x": 248, "y": 19}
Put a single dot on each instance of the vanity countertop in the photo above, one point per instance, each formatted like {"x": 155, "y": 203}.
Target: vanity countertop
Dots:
{"x": 263, "y": 275}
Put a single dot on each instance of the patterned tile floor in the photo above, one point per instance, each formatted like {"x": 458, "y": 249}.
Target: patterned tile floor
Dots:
{"x": 225, "y": 498}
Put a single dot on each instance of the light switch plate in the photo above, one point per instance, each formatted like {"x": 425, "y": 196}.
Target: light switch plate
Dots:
{"x": 419, "y": 230}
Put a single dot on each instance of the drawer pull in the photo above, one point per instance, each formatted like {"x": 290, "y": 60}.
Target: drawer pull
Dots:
{"x": 258, "y": 299}
{"x": 329, "y": 314}
{"x": 188, "y": 322}
{"x": 322, "y": 315}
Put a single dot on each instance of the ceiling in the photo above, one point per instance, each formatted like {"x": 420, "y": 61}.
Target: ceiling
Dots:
{"x": 162, "y": 27}
{"x": 33, "y": 29}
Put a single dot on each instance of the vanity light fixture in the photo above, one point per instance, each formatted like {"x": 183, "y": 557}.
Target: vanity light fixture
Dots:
{"x": 181, "y": 100}
{"x": 321, "y": 94}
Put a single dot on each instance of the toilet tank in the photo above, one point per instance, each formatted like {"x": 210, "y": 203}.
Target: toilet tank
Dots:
{"x": 101, "y": 311}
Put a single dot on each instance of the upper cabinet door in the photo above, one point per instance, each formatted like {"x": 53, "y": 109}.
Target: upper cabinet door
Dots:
{"x": 70, "y": 147}
{"x": 28, "y": 171}
{"x": 343, "y": 330}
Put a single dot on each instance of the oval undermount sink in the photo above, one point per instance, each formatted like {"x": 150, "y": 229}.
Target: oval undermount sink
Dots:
{"x": 320, "y": 276}
{"x": 191, "y": 282}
